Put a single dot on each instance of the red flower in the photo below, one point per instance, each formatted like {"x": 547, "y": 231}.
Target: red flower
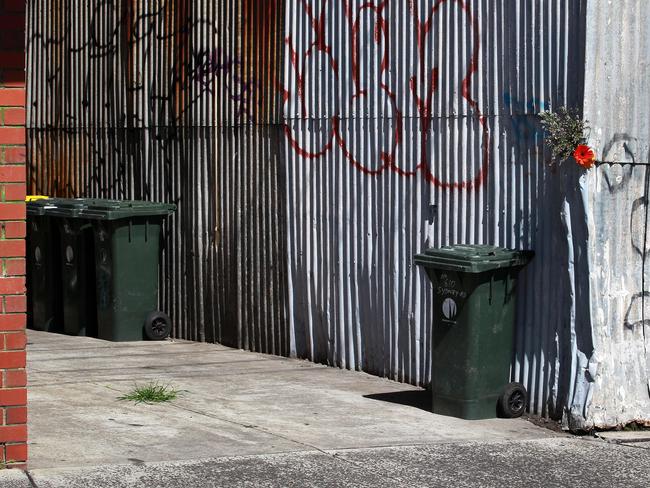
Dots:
{"x": 584, "y": 156}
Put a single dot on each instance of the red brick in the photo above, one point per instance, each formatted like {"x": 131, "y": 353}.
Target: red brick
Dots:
{"x": 16, "y": 415}
{"x": 14, "y": 6}
{"x": 12, "y": 286}
{"x": 15, "y": 378}
{"x": 15, "y": 304}
{"x": 12, "y": 78}
{"x": 16, "y": 341}
{"x": 12, "y": 97}
{"x": 12, "y": 359}
{"x": 15, "y": 452}
{"x": 14, "y": 116}
{"x": 15, "y": 192}
{"x": 14, "y": 433}
{"x": 13, "y": 397}
{"x": 12, "y": 211}
{"x": 15, "y": 21}
{"x": 12, "y": 321}
{"x": 12, "y": 135}
{"x": 14, "y": 230}
{"x": 12, "y": 40}
{"x": 15, "y": 267}
{"x": 14, "y": 248}
{"x": 15, "y": 155}
{"x": 12, "y": 173}
{"x": 15, "y": 60}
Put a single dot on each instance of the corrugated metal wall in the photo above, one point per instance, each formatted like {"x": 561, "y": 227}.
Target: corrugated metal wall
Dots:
{"x": 412, "y": 124}
{"x": 313, "y": 147}
{"x": 617, "y": 98}
{"x": 174, "y": 101}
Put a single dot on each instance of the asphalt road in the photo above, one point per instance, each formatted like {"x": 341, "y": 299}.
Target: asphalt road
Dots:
{"x": 574, "y": 462}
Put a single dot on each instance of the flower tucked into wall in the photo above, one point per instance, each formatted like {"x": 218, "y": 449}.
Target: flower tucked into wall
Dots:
{"x": 584, "y": 156}
{"x": 565, "y": 133}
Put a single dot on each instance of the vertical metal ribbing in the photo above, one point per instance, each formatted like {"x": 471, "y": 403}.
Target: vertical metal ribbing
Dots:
{"x": 159, "y": 100}
{"x": 287, "y": 239}
{"x": 355, "y": 298}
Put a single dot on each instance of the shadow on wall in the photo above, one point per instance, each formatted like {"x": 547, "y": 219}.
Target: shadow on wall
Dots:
{"x": 357, "y": 300}
{"x": 553, "y": 326}
{"x": 174, "y": 101}
{"x": 299, "y": 215}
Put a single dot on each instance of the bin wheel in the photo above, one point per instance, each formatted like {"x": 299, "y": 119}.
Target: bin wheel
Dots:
{"x": 157, "y": 326}
{"x": 513, "y": 401}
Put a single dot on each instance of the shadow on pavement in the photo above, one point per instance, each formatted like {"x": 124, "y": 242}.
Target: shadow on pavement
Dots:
{"x": 421, "y": 399}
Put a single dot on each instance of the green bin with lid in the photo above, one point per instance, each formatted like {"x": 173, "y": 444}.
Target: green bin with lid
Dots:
{"x": 44, "y": 300}
{"x": 127, "y": 238}
{"x": 475, "y": 288}
{"x": 76, "y": 262}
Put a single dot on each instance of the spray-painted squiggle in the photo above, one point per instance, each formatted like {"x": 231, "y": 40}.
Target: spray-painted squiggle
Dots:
{"x": 422, "y": 87}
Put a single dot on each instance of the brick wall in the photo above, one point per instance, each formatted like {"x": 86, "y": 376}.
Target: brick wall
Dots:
{"x": 13, "y": 378}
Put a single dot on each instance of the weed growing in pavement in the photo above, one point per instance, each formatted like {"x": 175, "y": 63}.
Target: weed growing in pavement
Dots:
{"x": 153, "y": 392}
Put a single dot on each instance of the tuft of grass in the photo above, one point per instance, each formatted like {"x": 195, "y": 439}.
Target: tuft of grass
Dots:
{"x": 153, "y": 392}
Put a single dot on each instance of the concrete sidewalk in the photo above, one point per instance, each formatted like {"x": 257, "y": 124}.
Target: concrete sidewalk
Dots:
{"x": 247, "y": 419}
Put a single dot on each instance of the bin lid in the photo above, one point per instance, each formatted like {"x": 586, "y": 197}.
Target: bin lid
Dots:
{"x": 42, "y": 206}
{"x": 472, "y": 258}
{"x": 65, "y": 207}
{"x": 99, "y": 209}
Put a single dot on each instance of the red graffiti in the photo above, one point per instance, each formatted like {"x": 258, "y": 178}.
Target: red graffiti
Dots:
{"x": 422, "y": 88}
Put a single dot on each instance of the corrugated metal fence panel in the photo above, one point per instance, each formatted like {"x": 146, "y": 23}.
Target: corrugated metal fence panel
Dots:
{"x": 173, "y": 101}
{"x": 313, "y": 147}
{"x": 618, "y": 359}
{"x": 412, "y": 124}
{"x": 617, "y": 94}
{"x": 617, "y": 89}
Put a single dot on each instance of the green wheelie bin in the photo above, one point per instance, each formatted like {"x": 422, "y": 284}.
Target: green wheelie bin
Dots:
{"x": 77, "y": 267}
{"x": 127, "y": 236}
{"x": 44, "y": 305}
{"x": 475, "y": 287}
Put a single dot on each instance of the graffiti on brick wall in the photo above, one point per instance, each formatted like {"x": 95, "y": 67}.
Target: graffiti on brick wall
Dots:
{"x": 387, "y": 101}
